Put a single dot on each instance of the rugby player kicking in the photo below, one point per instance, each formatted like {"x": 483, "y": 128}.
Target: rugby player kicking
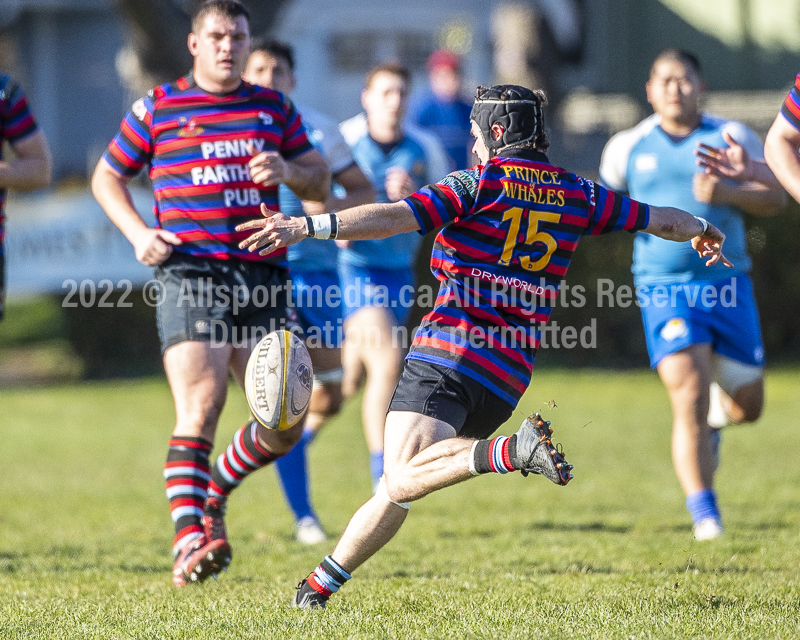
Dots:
{"x": 514, "y": 216}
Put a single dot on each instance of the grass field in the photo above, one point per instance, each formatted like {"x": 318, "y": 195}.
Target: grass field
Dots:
{"x": 85, "y": 532}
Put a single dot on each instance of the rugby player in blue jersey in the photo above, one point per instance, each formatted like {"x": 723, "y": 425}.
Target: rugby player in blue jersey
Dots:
{"x": 378, "y": 274}
{"x": 705, "y": 339}
{"x": 315, "y": 278}
{"x": 514, "y": 218}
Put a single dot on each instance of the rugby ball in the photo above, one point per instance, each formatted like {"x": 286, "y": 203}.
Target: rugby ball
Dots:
{"x": 278, "y": 379}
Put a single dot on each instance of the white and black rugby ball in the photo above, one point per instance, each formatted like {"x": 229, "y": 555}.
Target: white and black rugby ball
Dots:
{"x": 278, "y": 379}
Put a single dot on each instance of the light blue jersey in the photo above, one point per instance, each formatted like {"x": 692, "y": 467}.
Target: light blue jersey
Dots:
{"x": 397, "y": 252}
{"x": 323, "y": 133}
{"x": 653, "y": 167}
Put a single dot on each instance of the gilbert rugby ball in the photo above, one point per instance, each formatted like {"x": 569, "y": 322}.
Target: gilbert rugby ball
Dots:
{"x": 277, "y": 381}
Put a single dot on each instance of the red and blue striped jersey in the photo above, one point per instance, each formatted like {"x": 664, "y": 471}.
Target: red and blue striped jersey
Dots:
{"x": 16, "y": 123}
{"x": 791, "y": 106}
{"x": 198, "y": 145}
{"x": 515, "y": 224}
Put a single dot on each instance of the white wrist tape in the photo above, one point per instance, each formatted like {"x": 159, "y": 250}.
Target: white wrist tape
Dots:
{"x": 704, "y": 222}
{"x": 322, "y": 226}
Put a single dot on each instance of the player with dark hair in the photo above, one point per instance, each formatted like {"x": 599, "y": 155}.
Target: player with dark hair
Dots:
{"x": 315, "y": 278}
{"x": 514, "y": 218}
{"x": 705, "y": 341}
{"x": 218, "y": 147}
{"x": 32, "y": 166}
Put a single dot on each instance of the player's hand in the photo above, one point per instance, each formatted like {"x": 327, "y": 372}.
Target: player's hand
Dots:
{"x": 732, "y": 162}
{"x": 153, "y": 246}
{"x": 709, "y": 245}
{"x": 398, "y": 184}
{"x": 269, "y": 168}
{"x": 273, "y": 231}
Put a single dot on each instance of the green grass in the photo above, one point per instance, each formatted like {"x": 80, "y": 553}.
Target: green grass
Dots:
{"x": 85, "y": 532}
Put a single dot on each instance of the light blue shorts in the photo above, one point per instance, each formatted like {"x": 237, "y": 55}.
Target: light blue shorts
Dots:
{"x": 721, "y": 313}
{"x": 392, "y": 289}
{"x": 318, "y": 301}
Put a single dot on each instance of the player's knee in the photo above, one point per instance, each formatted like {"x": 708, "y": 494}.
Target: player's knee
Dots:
{"x": 744, "y": 384}
{"x": 329, "y": 404}
{"x": 327, "y": 398}
{"x": 391, "y": 488}
{"x": 279, "y": 442}
{"x": 750, "y": 408}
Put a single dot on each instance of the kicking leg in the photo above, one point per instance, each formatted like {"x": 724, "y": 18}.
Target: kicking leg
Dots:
{"x": 423, "y": 455}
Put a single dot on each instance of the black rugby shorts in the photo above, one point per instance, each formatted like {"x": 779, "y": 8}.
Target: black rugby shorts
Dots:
{"x": 220, "y": 301}
{"x": 452, "y": 397}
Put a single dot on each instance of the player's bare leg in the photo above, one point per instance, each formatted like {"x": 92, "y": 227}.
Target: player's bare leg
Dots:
{"x": 198, "y": 377}
{"x": 686, "y": 376}
{"x": 369, "y": 342}
{"x": 746, "y": 403}
{"x": 326, "y": 399}
{"x": 423, "y": 455}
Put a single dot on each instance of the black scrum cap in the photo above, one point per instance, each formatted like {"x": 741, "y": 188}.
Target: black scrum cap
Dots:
{"x": 516, "y": 109}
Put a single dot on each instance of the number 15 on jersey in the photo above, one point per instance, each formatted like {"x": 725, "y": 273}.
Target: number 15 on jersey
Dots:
{"x": 518, "y": 215}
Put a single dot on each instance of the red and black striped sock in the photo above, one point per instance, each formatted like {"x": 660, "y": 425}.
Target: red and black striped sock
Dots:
{"x": 493, "y": 456}
{"x": 243, "y": 456}
{"x": 187, "y": 474}
{"x": 328, "y": 577}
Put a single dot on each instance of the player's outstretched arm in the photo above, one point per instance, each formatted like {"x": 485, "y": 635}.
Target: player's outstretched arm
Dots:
{"x": 678, "y": 225}
{"x": 780, "y": 150}
{"x": 110, "y": 189}
{"x": 32, "y": 167}
{"x": 367, "y": 222}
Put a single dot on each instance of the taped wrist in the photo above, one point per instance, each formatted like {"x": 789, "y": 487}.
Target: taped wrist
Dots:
{"x": 322, "y": 226}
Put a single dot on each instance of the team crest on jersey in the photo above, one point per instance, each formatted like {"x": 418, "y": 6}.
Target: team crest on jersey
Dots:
{"x": 455, "y": 184}
{"x": 646, "y": 162}
{"x": 189, "y": 127}
{"x": 139, "y": 109}
{"x": 674, "y": 329}
{"x": 265, "y": 118}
